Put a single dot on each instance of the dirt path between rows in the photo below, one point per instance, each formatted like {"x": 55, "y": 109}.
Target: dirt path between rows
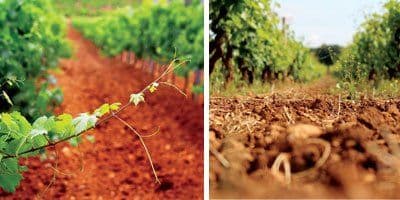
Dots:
{"x": 115, "y": 166}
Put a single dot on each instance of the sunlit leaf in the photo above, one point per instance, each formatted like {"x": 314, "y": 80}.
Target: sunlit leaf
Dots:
{"x": 136, "y": 98}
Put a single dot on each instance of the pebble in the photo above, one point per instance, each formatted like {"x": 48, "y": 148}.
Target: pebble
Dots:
{"x": 369, "y": 178}
{"x": 111, "y": 175}
{"x": 66, "y": 151}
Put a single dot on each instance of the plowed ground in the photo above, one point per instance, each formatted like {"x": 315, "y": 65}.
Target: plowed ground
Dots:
{"x": 335, "y": 148}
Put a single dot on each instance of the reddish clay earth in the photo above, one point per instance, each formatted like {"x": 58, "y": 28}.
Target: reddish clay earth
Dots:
{"x": 115, "y": 166}
{"x": 334, "y": 148}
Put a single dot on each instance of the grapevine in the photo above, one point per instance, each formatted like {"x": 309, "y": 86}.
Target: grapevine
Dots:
{"x": 247, "y": 41}
{"x": 20, "y": 139}
{"x": 32, "y": 41}
{"x": 150, "y": 31}
{"x": 374, "y": 53}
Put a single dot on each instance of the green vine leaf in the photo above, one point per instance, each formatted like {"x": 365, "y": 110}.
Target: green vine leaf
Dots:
{"x": 42, "y": 126}
{"x": 10, "y": 181}
{"x": 115, "y": 106}
{"x": 137, "y": 98}
{"x": 106, "y": 108}
{"x": 10, "y": 176}
{"x": 63, "y": 126}
{"x": 36, "y": 132}
{"x": 84, "y": 122}
{"x": 14, "y": 125}
{"x": 102, "y": 110}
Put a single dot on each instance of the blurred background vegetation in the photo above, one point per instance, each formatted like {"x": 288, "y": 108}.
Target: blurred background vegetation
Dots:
{"x": 252, "y": 50}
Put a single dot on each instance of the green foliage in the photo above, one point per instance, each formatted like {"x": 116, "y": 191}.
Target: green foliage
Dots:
{"x": 89, "y": 7}
{"x": 152, "y": 31}
{"x": 245, "y": 35}
{"x": 10, "y": 174}
{"x": 31, "y": 43}
{"x": 375, "y": 52}
{"x": 106, "y": 108}
{"x": 328, "y": 54}
{"x": 19, "y": 138}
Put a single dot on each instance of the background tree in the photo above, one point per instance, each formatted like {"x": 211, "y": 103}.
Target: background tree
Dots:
{"x": 328, "y": 54}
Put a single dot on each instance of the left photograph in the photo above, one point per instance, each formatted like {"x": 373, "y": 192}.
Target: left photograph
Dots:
{"x": 101, "y": 99}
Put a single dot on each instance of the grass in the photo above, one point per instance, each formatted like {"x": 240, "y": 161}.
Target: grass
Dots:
{"x": 240, "y": 87}
{"x": 352, "y": 90}
{"x": 360, "y": 89}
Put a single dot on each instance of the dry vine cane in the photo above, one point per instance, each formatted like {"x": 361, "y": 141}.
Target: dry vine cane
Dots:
{"x": 85, "y": 122}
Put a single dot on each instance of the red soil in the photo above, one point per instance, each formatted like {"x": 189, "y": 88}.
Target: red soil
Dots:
{"x": 115, "y": 166}
{"x": 335, "y": 149}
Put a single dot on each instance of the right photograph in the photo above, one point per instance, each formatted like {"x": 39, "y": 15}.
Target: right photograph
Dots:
{"x": 304, "y": 99}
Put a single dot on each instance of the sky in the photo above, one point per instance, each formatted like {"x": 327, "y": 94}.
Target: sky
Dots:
{"x": 317, "y": 22}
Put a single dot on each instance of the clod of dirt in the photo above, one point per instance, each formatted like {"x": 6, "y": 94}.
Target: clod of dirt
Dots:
{"x": 164, "y": 186}
{"x": 303, "y": 131}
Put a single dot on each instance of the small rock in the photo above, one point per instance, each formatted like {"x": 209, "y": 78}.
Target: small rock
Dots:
{"x": 111, "y": 175}
{"x": 369, "y": 178}
{"x": 66, "y": 151}
{"x": 350, "y": 143}
{"x": 190, "y": 157}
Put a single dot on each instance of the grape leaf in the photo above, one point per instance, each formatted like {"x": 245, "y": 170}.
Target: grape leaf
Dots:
{"x": 136, "y": 98}
{"x": 14, "y": 124}
{"x": 9, "y": 182}
{"x": 115, "y": 106}
{"x": 84, "y": 122}
{"x": 36, "y": 132}
{"x": 102, "y": 110}
{"x": 42, "y": 126}
{"x": 63, "y": 126}
{"x": 10, "y": 176}
{"x": 23, "y": 124}
{"x": 106, "y": 108}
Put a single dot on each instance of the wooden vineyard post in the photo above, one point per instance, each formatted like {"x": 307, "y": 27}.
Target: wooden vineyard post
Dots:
{"x": 197, "y": 81}
{"x": 284, "y": 28}
{"x": 160, "y": 68}
{"x": 186, "y": 83}
{"x": 152, "y": 68}
{"x": 147, "y": 68}
{"x": 128, "y": 57}
{"x": 143, "y": 65}
{"x": 133, "y": 58}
